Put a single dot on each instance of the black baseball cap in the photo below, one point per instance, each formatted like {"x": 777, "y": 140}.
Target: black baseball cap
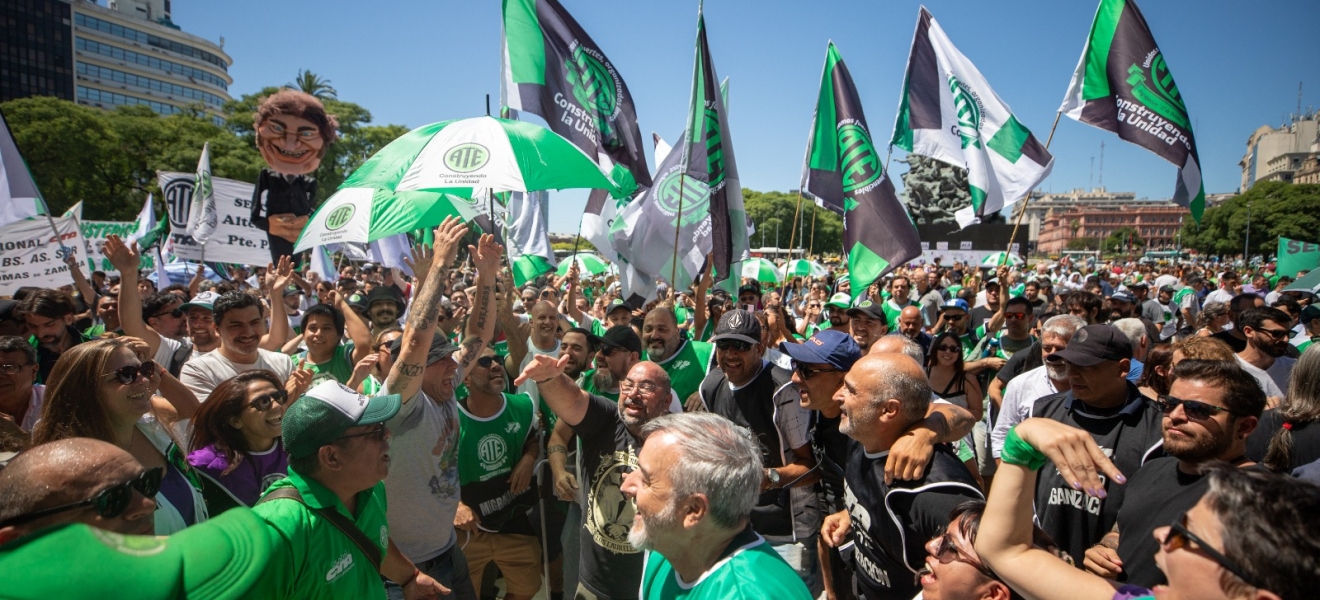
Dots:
{"x": 754, "y": 288}
{"x": 616, "y": 304}
{"x": 738, "y": 324}
{"x": 619, "y": 337}
{"x": 827, "y": 347}
{"x": 1094, "y": 344}
{"x": 1310, "y": 313}
{"x": 1123, "y": 296}
{"x": 868, "y": 308}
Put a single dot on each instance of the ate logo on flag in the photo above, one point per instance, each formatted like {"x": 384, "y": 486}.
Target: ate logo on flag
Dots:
{"x": 861, "y": 162}
{"x": 596, "y": 88}
{"x": 714, "y": 147}
{"x": 695, "y": 196}
{"x": 968, "y": 105}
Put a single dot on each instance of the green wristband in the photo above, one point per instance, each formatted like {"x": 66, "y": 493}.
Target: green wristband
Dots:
{"x": 1018, "y": 452}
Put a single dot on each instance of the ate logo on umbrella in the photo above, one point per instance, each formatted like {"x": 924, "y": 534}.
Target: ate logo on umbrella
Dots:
{"x": 340, "y": 217}
{"x": 465, "y": 158}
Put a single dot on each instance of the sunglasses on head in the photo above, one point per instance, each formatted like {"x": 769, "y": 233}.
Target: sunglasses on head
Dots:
{"x": 735, "y": 345}
{"x": 1180, "y": 537}
{"x": 109, "y": 503}
{"x": 263, "y": 403}
{"x": 1199, "y": 411}
{"x": 130, "y": 373}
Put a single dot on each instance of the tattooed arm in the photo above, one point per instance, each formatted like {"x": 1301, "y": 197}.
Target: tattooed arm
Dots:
{"x": 405, "y": 377}
{"x": 481, "y": 323}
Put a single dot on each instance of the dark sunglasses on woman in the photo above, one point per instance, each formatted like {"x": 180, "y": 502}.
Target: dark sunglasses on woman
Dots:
{"x": 130, "y": 373}
{"x": 263, "y": 403}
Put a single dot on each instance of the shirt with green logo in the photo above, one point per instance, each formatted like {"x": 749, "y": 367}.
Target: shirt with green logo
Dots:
{"x": 892, "y": 310}
{"x": 314, "y": 560}
{"x": 748, "y": 569}
{"x": 488, "y": 450}
{"x": 687, "y": 367}
{"x": 338, "y": 368}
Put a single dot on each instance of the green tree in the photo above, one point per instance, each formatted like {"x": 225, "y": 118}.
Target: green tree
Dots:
{"x": 1122, "y": 239}
{"x": 314, "y": 84}
{"x": 1277, "y": 210}
{"x": 767, "y": 208}
{"x": 1083, "y": 243}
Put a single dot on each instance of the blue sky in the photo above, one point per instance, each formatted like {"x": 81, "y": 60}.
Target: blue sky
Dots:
{"x": 414, "y": 62}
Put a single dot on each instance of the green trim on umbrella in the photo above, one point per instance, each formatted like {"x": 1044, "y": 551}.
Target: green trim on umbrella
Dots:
{"x": 997, "y": 259}
{"x": 527, "y": 267}
{"x": 588, "y": 264}
{"x": 759, "y": 269}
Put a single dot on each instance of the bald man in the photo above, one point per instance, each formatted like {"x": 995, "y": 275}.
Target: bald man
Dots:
{"x": 542, "y": 338}
{"x": 882, "y": 396}
{"x": 685, "y": 361}
{"x": 51, "y": 484}
{"x": 909, "y": 324}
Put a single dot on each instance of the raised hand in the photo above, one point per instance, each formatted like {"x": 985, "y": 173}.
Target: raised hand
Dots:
{"x": 541, "y": 368}
{"x": 486, "y": 254}
{"x": 125, "y": 258}
{"x": 279, "y": 275}
{"x": 447, "y": 236}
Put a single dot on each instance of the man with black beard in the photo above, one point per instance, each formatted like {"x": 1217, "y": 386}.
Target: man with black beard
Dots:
{"x": 620, "y": 349}
{"x": 684, "y": 360}
{"x": 1210, "y": 410}
{"x": 838, "y": 307}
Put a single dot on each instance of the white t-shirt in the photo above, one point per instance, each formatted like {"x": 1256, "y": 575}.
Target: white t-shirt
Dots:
{"x": 1219, "y": 295}
{"x": 1020, "y": 396}
{"x": 1266, "y": 382}
{"x": 422, "y": 486}
{"x": 529, "y": 387}
{"x": 202, "y": 373}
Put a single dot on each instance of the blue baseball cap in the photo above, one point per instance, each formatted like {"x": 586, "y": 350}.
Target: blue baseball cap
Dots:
{"x": 829, "y": 347}
{"x": 958, "y": 303}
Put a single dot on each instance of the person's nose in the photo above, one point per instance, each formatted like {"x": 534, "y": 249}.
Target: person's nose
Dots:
{"x": 629, "y": 486}
{"x": 140, "y": 507}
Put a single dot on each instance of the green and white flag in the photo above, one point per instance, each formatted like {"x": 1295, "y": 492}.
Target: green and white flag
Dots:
{"x": 202, "y": 216}
{"x": 1122, "y": 84}
{"x": 19, "y": 198}
{"x": 148, "y": 230}
{"x": 528, "y": 236}
{"x": 844, "y": 173}
{"x": 949, "y": 112}
{"x": 75, "y": 211}
{"x": 553, "y": 69}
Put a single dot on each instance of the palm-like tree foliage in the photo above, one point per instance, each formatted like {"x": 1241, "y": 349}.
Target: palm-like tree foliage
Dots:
{"x": 315, "y": 85}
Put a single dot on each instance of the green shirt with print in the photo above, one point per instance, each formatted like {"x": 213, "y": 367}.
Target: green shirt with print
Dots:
{"x": 750, "y": 568}
{"x": 314, "y": 560}
{"x": 687, "y": 367}
{"x": 339, "y": 367}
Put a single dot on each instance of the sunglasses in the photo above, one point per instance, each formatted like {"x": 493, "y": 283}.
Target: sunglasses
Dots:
{"x": 1199, "y": 411}
{"x": 130, "y": 373}
{"x": 947, "y": 348}
{"x": 109, "y": 503}
{"x": 1014, "y": 316}
{"x": 485, "y": 362}
{"x": 263, "y": 403}
{"x": 176, "y": 313}
{"x": 946, "y": 551}
{"x": 804, "y": 373}
{"x": 376, "y": 433}
{"x": 1278, "y": 334}
{"x": 1180, "y": 537}
{"x": 953, "y": 318}
{"x": 735, "y": 345}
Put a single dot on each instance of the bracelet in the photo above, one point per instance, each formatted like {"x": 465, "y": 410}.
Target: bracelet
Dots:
{"x": 416, "y": 572}
{"x": 1018, "y": 452}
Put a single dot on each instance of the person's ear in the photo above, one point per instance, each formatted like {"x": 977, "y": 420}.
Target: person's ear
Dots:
{"x": 996, "y": 590}
{"x": 235, "y": 422}
{"x": 328, "y": 456}
{"x": 695, "y": 508}
{"x": 1245, "y": 426}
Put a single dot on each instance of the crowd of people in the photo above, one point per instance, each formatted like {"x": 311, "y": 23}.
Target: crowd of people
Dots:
{"x": 1095, "y": 430}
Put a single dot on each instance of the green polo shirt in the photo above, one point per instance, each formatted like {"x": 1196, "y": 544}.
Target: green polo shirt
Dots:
{"x": 314, "y": 560}
{"x": 687, "y": 367}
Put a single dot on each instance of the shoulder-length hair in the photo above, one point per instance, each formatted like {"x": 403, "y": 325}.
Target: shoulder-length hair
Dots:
{"x": 211, "y": 423}
{"x": 72, "y": 406}
{"x": 933, "y": 358}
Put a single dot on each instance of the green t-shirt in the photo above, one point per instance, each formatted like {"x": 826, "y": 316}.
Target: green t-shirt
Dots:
{"x": 489, "y": 447}
{"x": 371, "y": 386}
{"x": 1306, "y": 344}
{"x": 892, "y": 310}
{"x": 682, "y": 314}
{"x": 749, "y": 568}
{"x": 687, "y": 367}
{"x": 339, "y": 367}
{"x": 707, "y": 331}
{"x": 588, "y": 385}
{"x": 314, "y": 560}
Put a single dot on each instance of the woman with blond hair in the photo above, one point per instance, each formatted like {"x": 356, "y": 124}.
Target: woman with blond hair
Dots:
{"x": 106, "y": 390}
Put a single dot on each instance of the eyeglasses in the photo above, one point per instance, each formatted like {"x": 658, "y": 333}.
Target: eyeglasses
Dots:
{"x": 485, "y": 362}
{"x": 946, "y": 551}
{"x": 735, "y": 345}
{"x": 804, "y": 373}
{"x": 1278, "y": 334}
{"x": 1014, "y": 316}
{"x": 12, "y": 369}
{"x": 1180, "y": 537}
{"x": 628, "y": 387}
{"x": 376, "y": 433}
{"x": 263, "y": 403}
{"x": 947, "y": 348}
{"x": 176, "y": 313}
{"x": 109, "y": 503}
{"x": 130, "y": 373}
{"x": 1199, "y": 411}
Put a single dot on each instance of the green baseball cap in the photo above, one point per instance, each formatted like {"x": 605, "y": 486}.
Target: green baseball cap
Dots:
{"x": 219, "y": 559}
{"x": 203, "y": 300}
{"x": 326, "y": 411}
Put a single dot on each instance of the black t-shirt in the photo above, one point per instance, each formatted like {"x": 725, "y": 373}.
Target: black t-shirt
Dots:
{"x": 1227, "y": 337}
{"x": 1305, "y": 439}
{"x": 831, "y": 448}
{"x": 1021, "y": 362}
{"x": 981, "y": 315}
{"x": 891, "y": 524}
{"x": 1129, "y": 436}
{"x": 609, "y": 566}
{"x": 1157, "y": 494}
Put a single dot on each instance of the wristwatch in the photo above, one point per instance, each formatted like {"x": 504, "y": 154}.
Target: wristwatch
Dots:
{"x": 772, "y": 476}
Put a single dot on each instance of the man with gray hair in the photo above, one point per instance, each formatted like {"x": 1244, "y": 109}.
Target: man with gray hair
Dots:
{"x": 694, "y": 488}
{"x": 883, "y": 395}
{"x": 1022, "y": 391}
{"x": 1134, "y": 330}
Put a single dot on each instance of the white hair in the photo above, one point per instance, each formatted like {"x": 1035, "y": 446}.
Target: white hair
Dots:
{"x": 1063, "y": 326}
{"x": 1133, "y": 328}
{"x": 716, "y": 458}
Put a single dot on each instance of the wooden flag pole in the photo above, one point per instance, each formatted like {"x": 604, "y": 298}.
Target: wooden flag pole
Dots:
{"x": 811, "y": 247}
{"x": 678, "y": 227}
{"x": 793, "y": 231}
{"x": 1023, "y": 209}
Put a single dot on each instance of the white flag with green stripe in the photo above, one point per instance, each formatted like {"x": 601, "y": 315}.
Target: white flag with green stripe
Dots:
{"x": 949, "y": 112}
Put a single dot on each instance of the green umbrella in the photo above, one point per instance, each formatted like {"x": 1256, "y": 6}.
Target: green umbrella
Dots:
{"x": 802, "y": 267}
{"x": 588, "y": 265}
{"x": 997, "y": 259}
{"x": 398, "y": 188}
{"x": 1309, "y": 282}
{"x": 759, "y": 269}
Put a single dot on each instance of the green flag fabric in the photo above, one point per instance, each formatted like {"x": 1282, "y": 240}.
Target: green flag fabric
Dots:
{"x": 949, "y": 112}
{"x": 1296, "y": 256}
{"x": 843, "y": 172}
{"x": 1123, "y": 84}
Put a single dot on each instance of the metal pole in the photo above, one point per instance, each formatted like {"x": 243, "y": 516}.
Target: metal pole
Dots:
{"x": 678, "y": 226}
{"x": 811, "y": 246}
{"x": 1027, "y": 198}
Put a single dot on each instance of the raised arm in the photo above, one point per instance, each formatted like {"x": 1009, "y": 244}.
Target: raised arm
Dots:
{"x": 277, "y": 277}
{"x": 126, "y": 259}
{"x": 354, "y": 326}
{"x": 699, "y": 299}
{"x": 80, "y": 282}
{"x": 515, "y": 331}
{"x": 481, "y": 324}
{"x": 195, "y": 284}
{"x": 570, "y": 297}
{"x": 560, "y": 393}
{"x": 405, "y": 377}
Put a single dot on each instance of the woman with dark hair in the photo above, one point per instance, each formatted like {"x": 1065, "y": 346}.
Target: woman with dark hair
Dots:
{"x": 236, "y": 443}
{"x": 106, "y": 390}
{"x": 1154, "y": 380}
{"x": 1289, "y": 436}
{"x": 384, "y": 361}
{"x": 1252, "y": 535}
{"x": 954, "y": 571}
{"x": 948, "y": 376}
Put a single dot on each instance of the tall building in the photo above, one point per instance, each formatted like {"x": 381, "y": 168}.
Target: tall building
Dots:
{"x": 1043, "y": 202}
{"x": 36, "y": 49}
{"x": 127, "y": 52}
{"x": 1276, "y": 154}
{"x": 1156, "y": 222}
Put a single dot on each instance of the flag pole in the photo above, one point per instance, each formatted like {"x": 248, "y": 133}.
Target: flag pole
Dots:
{"x": 58, "y": 240}
{"x": 1023, "y": 210}
{"x": 678, "y": 227}
{"x": 811, "y": 247}
{"x": 793, "y": 231}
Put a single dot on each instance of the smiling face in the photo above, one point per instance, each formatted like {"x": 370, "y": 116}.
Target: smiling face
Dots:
{"x": 739, "y": 360}
{"x": 259, "y": 428}
{"x": 124, "y": 402}
{"x": 383, "y": 314}
{"x": 578, "y": 349}
{"x": 660, "y": 334}
{"x": 242, "y": 329}
{"x": 320, "y": 334}
{"x": 656, "y": 513}
{"x": 488, "y": 380}
{"x": 642, "y": 395}
{"x": 290, "y": 144}
{"x": 866, "y": 329}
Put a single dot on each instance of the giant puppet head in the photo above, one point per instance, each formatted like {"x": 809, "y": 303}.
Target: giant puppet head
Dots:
{"x": 293, "y": 131}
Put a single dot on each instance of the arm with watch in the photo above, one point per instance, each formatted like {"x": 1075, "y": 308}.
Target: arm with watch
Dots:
{"x": 800, "y": 471}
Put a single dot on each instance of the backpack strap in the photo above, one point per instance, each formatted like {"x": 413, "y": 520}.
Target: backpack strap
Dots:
{"x": 335, "y": 518}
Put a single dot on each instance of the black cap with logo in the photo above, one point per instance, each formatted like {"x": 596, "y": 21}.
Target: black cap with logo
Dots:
{"x": 619, "y": 337}
{"x": 738, "y": 324}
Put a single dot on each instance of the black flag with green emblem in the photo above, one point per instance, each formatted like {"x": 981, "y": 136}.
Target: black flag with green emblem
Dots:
{"x": 1122, "y": 84}
{"x": 843, "y": 173}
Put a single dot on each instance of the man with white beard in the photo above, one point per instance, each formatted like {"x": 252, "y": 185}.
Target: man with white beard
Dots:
{"x": 1022, "y": 391}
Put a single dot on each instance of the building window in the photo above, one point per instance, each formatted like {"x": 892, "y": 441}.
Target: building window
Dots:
{"x": 148, "y": 83}
{"x": 149, "y": 61}
{"x": 140, "y": 37}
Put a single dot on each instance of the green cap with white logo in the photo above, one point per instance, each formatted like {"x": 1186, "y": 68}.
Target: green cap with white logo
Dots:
{"x": 323, "y": 414}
